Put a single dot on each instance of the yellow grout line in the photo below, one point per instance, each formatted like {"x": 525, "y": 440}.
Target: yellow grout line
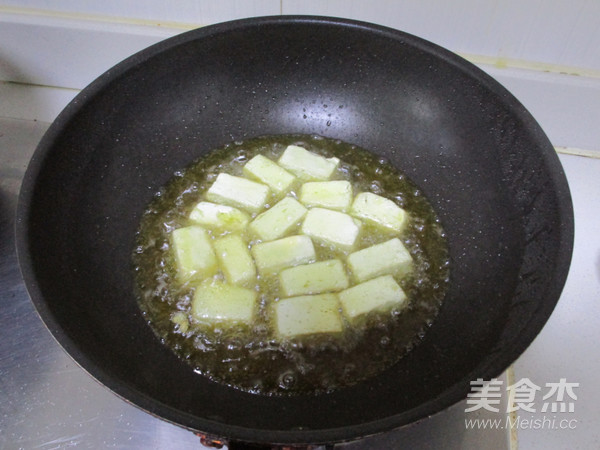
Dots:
{"x": 97, "y": 18}
{"x": 577, "y": 151}
{"x": 536, "y": 66}
{"x": 32, "y": 85}
{"x": 513, "y": 437}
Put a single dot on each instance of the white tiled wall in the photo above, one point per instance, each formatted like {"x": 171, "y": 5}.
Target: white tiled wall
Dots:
{"x": 555, "y": 35}
{"x": 545, "y": 51}
{"x": 564, "y": 33}
{"x": 554, "y": 32}
{"x": 199, "y": 12}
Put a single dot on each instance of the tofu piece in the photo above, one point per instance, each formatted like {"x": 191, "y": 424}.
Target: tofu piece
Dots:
{"x": 217, "y": 301}
{"x": 194, "y": 254}
{"x": 307, "y": 165}
{"x": 219, "y": 217}
{"x": 379, "y": 211}
{"x": 273, "y": 256}
{"x": 390, "y": 257}
{"x": 335, "y": 195}
{"x": 270, "y": 173}
{"x": 315, "y": 278}
{"x": 377, "y": 294}
{"x": 238, "y": 192}
{"x": 278, "y": 220}
{"x": 308, "y": 314}
{"x": 235, "y": 260}
{"x": 332, "y": 228}
{"x": 180, "y": 319}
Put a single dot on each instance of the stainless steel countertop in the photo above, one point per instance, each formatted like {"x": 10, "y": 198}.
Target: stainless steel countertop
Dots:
{"x": 47, "y": 401}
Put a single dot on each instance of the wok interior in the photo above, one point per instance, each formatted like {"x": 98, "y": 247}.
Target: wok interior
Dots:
{"x": 473, "y": 150}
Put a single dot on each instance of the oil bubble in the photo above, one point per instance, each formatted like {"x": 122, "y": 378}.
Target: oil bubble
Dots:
{"x": 287, "y": 380}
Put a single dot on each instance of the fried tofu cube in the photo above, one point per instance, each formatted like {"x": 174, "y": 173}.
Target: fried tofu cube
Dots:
{"x": 379, "y": 211}
{"x": 217, "y": 301}
{"x": 194, "y": 254}
{"x": 235, "y": 259}
{"x": 335, "y": 195}
{"x": 315, "y": 278}
{"x": 278, "y": 220}
{"x": 270, "y": 173}
{"x": 238, "y": 192}
{"x": 377, "y": 294}
{"x": 307, "y": 165}
{"x": 332, "y": 228}
{"x": 309, "y": 314}
{"x": 181, "y": 321}
{"x": 273, "y": 256}
{"x": 387, "y": 258}
{"x": 220, "y": 217}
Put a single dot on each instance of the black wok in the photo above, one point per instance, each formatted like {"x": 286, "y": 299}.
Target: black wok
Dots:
{"x": 475, "y": 152}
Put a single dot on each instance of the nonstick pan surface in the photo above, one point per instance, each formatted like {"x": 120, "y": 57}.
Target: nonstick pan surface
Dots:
{"x": 471, "y": 147}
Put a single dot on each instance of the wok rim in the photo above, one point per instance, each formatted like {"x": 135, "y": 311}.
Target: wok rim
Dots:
{"x": 450, "y": 396}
